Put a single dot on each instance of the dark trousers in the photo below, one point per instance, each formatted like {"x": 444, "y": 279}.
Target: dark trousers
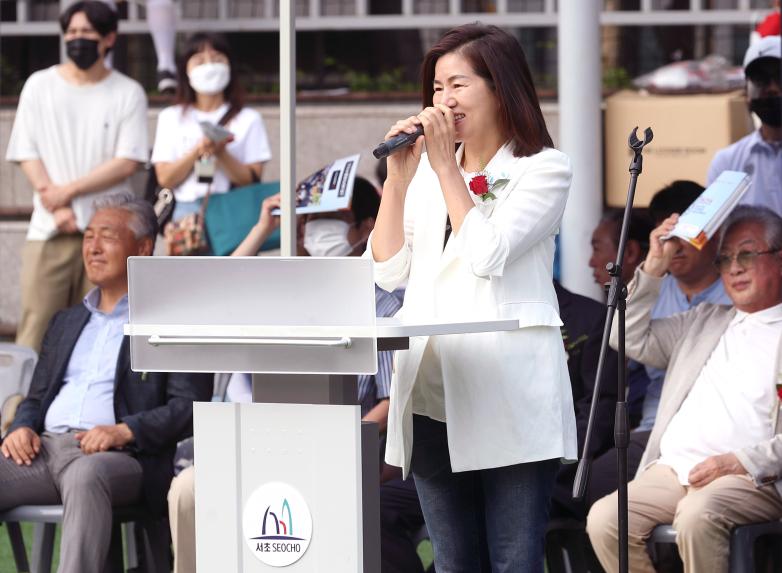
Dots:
{"x": 502, "y": 509}
{"x": 603, "y": 474}
{"x": 400, "y": 519}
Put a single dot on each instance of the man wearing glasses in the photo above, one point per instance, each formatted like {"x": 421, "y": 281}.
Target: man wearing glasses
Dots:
{"x": 714, "y": 458}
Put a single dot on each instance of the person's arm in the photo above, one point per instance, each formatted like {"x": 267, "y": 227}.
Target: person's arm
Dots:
{"x": 379, "y": 415}
{"x": 105, "y": 175}
{"x": 237, "y": 172}
{"x": 171, "y": 174}
{"x": 651, "y": 342}
{"x": 267, "y": 222}
{"x": 29, "y": 413}
{"x": 36, "y": 174}
{"x": 104, "y": 438}
{"x": 440, "y": 134}
{"x": 252, "y": 151}
{"x": 388, "y": 236}
{"x": 762, "y": 461}
{"x": 158, "y": 428}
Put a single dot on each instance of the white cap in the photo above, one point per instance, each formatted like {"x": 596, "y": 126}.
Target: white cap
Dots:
{"x": 766, "y": 47}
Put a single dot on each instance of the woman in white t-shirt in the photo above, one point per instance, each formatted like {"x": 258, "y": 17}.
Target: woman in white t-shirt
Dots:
{"x": 208, "y": 91}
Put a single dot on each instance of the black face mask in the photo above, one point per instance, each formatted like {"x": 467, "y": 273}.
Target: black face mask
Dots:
{"x": 83, "y": 52}
{"x": 768, "y": 109}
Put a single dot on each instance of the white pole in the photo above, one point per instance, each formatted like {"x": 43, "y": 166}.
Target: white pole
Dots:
{"x": 580, "y": 128}
{"x": 288, "y": 127}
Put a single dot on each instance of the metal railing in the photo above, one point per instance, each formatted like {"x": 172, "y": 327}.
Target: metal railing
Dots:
{"x": 39, "y": 18}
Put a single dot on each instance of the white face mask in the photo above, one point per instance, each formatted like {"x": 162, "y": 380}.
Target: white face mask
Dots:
{"x": 327, "y": 238}
{"x": 210, "y": 78}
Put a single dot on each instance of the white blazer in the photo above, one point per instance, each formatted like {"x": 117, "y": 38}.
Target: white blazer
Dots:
{"x": 507, "y": 394}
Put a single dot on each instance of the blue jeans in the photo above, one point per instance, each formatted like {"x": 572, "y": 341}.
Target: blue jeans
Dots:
{"x": 497, "y": 515}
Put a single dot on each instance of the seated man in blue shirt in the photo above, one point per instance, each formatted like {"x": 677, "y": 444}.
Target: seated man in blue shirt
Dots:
{"x": 92, "y": 434}
{"x": 692, "y": 279}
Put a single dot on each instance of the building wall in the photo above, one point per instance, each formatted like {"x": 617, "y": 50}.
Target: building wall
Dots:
{"x": 324, "y": 132}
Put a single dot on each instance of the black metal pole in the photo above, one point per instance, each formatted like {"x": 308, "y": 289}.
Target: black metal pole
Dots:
{"x": 617, "y": 295}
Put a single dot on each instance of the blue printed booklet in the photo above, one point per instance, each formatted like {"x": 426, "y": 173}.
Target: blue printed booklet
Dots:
{"x": 328, "y": 189}
{"x": 702, "y": 219}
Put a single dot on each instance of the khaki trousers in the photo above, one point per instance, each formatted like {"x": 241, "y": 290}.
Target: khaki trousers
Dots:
{"x": 181, "y": 516}
{"x": 703, "y": 518}
{"x": 53, "y": 278}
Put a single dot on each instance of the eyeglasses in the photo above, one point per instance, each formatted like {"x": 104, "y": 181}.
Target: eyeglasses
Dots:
{"x": 745, "y": 259}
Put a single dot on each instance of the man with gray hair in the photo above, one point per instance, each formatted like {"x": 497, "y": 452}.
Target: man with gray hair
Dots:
{"x": 92, "y": 434}
{"x": 714, "y": 457}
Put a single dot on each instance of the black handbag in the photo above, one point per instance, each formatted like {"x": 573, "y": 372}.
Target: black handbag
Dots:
{"x": 161, "y": 198}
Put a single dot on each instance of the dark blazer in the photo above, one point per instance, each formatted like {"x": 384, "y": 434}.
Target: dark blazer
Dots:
{"x": 584, "y": 320}
{"x": 158, "y": 407}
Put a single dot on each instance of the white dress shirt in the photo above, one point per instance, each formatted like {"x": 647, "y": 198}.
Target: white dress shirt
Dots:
{"x": 730, "y": 405}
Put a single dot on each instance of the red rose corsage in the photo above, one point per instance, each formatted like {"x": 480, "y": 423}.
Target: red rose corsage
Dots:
{"x": 484, "y": 185}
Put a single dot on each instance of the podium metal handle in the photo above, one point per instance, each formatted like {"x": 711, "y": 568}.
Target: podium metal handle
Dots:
{"x": 157, "y": 340}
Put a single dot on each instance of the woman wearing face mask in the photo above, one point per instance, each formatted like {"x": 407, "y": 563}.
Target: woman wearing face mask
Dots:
{"x": 481, "y": 420}
{"x": 185, "y": 159}
{"x": 345, "y": 233}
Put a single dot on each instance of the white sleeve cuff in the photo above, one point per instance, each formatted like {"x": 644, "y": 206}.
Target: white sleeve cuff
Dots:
{"x": 391, "y": 273}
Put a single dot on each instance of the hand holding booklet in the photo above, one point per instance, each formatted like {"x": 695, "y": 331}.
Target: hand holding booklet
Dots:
{"x": 214, "y": 132}
{"x": 702, "y": 219}
{"x": 328, "y": 189}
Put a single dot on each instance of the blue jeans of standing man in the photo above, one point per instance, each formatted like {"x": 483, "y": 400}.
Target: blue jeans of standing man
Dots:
{"x": 501, "y": 510}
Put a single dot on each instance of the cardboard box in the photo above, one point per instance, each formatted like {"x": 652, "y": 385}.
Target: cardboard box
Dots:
{"x": 688, "y": 131}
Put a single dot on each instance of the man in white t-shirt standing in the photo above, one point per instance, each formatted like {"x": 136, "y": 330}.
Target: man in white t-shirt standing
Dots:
{"x": 80, "y": 131}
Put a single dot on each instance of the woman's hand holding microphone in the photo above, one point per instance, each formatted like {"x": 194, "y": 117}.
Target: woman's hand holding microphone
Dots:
{"x": 440, "y": 136}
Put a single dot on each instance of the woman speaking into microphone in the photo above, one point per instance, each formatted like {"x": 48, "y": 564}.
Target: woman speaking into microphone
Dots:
{"x": 481, "y": 420}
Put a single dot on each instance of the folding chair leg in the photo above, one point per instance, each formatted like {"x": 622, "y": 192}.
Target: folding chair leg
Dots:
{"x": 131, "y": 547}
{"x": 43, "y": 546}
{"x": 17, "y": 546}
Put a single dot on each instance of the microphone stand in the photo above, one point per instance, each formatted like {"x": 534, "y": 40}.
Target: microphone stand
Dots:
{"x": 617, "y": 295}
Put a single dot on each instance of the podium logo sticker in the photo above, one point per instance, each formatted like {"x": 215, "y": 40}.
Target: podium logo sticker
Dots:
{"x": 277, "y": 524}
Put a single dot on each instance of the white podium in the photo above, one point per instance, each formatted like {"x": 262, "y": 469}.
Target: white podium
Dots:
{"x": 290, "y": 480}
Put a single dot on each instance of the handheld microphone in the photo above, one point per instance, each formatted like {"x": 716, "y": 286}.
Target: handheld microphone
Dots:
{"x": 397, "y": 142}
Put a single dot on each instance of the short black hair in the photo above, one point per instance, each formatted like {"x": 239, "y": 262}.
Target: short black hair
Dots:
{"x": 639, "y": 231}
{"x": 366, "y": 200}
{"x": 100, "y": 16}
{"x": 675, "y": 198}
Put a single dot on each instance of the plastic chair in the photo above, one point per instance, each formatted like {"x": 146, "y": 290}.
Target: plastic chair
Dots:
{"x": 742, "y": 543}
{"x": 153, "y": 536}
{"x": 17, "y": 364}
